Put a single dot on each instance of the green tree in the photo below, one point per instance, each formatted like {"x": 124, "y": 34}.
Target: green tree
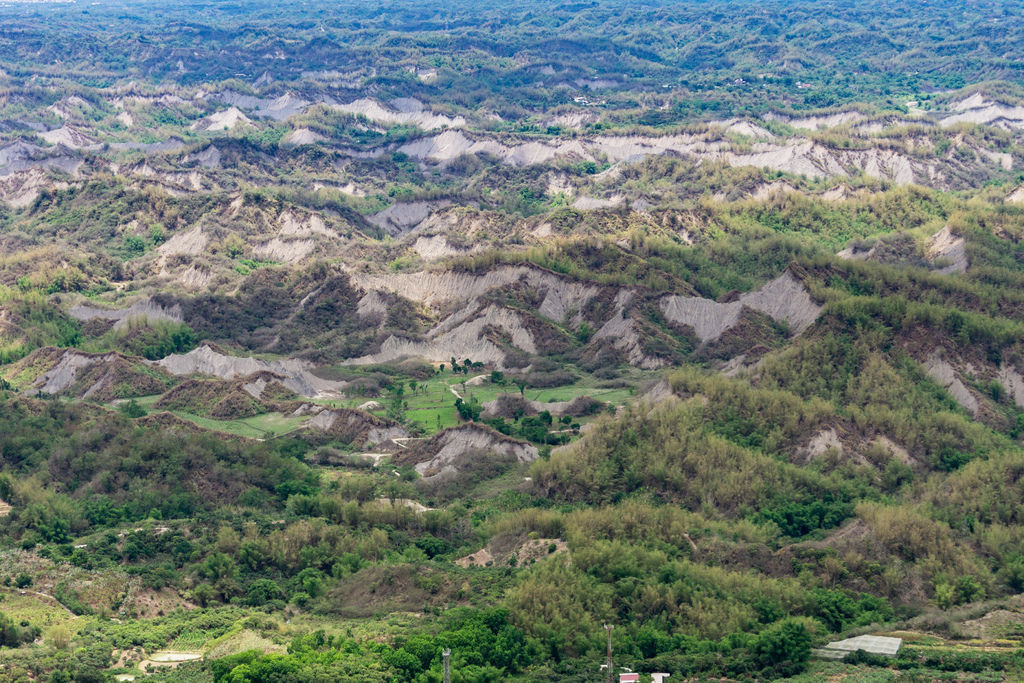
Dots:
{"x": 784, "y": 647}
{"x": 132, "y": 409}
{"x": 262, "y": 591}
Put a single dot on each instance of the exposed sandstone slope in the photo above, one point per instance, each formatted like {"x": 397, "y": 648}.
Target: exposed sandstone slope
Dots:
{"x": 470, "y": 332}
{"x": 950, "y": 248}
{"x": 228, "y": 399}
{"x": 188, "y": 243}
{"x": 208, "y": 158}
{"x": 406, "y": 111}
{"x": 21, "y": 188}
{"x": 743, "y": 127}
{"x": 278, "y": 109}
{"x": 25, "y": 169}
{"x": 284, "y": 250}
{"x": 769, "y": 190}
{"x": 434, "y": 247}
{"x": 207, "y": 361}
{"x": 294, "y": 224}
{"x": 978, "y": 109}
{"x": 398, "y": 219}
{"x": 939, "y": 369}
{"x": 463, "y": 335}
{"x": 784, "y": 299}
{"x": 517, "y": 551}
{"x": 353, "y": 426}
{"x": 68, "y": 137}
{"x": 822, "y": 122}
{"x": 484, "y": 331}
{"x": 222, "y": 120}
{"x": 795, "y": 155}
{"x": 457, "y": 447}
{"x": 1012, "y": 379}
{"x": 821, "y": 443}
{"x": 21, "y": 156}
{"x": 302, "y": 136}
{"x": 624, "y": 335}
{"x": 95, "y": 376}
{"x": 431, "y": 288}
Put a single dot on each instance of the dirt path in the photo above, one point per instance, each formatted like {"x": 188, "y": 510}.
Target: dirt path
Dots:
{"x": 452, "y": 389}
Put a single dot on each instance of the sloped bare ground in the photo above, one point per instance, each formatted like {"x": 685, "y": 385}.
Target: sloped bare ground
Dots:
{"x": 462, "y": 335}
{"x": 949, "y": 250}
{"x": 450, "y": 449}
{"x": 229, "y": 399}
{"x": 209, "y": 360}
{"x": 352, "y": 426}
{"x": 796, "y": 155}
{"x": 99, "y": 377}
{"x": 784, "y": 299}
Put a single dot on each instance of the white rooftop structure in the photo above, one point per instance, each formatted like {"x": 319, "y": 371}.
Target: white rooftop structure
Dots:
{"x": 877, "y": 645}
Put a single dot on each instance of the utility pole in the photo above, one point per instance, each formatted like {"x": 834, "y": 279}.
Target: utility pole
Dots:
{"x": 609, "y": 675}
{"x": 445, "y": 656}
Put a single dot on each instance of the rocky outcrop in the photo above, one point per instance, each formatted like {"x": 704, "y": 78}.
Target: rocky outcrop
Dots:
{"x": 821, "y": 122}
{"x": 939, "y": 369}
{"x": 784, "y": 299}
{"x": 278, "y": 109}
{"x": 978, "y": 109}
{"x": 1013, "y": 381}
{"x": 205, "y": 360}
{"x": 284, "y": 250}
{"x": 462, "y": 335}
{"x": 302, "y": 136}
{"x": 454, "y": 448}
{"x": 189, "y": 243}
{"x": 228, "y": 399}
{"x": 561, "y": 295}
{"x": 398, "y": 219}
{"x": 950, "y": 249}
{"x": 94, "y": 376}
{"x": 25, "y": 170}
{"x": 222, "y": 120}
{"x": 69, "y": 137}
{"x": 406, "y": 111}
{"x": 357, "y": 427}
{"x": 798, "y": 156}
{"x": 623, "y": 334}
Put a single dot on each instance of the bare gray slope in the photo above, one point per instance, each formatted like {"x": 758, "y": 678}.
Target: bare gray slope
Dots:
{"x": 206, "y": 361}
{"x": 784, "y": 299}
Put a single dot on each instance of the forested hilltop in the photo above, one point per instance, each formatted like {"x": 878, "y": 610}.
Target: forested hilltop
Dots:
{"x": 339, "y": 336}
